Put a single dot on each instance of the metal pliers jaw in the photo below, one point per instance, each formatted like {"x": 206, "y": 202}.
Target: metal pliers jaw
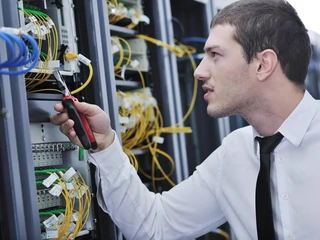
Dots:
{"x": 61, "y": 83}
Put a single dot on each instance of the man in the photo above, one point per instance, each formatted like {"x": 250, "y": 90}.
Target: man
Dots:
{"x": 255, "y": 64}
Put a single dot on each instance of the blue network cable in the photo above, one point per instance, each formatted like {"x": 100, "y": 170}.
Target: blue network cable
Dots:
{"x": 195, "y": 39}
{"x": 19, "y": 56}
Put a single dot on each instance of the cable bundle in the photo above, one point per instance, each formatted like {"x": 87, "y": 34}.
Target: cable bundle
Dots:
{"x": 118, "y": 11}
{"x": 70, "y": 220}
{"x": 70, "y": 57}
{"x": 18, "y": 51}
{"x": 41, "y": 26}
{"x": 140, "y": 118}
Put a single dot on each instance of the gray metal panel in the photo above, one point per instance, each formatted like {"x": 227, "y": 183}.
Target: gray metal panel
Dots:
{"x": 174, "y": 80}
{"x": 100, "y": 53}
{"x": 21, "y": 210}
{"x": 25, "y": 157}
{"x": 164, "y": 63}
{"x": 209, "y": 12}
{"x": 13, "y": 224}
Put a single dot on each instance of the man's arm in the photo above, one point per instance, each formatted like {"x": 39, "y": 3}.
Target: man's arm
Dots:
{"x": 187, "y": 211}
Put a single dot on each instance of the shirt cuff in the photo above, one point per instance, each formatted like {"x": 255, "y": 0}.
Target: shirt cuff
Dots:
{"x": 109, "y": 159}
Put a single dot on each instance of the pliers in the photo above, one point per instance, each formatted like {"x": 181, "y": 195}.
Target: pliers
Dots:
{"x": 81, "y": 125}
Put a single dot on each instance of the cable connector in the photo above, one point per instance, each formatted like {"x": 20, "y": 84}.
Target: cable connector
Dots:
{"x": 79, "y": 57}
{"x": 70, "y": 56}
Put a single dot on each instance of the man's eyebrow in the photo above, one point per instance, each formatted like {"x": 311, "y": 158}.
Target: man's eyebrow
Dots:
{"x": 208, "y": 49}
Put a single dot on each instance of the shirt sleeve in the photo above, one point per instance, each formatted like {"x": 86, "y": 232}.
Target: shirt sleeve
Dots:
{"x": 187, "y": 211}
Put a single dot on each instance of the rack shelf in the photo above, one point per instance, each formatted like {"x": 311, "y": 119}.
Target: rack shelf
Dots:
{"x": 122, "y": 31}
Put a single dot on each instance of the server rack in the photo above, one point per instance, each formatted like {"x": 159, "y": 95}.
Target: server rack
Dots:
{"x": 94, "y": 42}
{"x": 18, "y": 203}
{"x": 19, "y": 208}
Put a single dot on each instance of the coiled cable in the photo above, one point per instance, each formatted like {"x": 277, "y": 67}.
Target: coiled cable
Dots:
{"x": 18, "y": 57}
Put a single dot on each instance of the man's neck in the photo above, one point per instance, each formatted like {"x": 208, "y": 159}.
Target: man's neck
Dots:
{"x": 275, "y": 108}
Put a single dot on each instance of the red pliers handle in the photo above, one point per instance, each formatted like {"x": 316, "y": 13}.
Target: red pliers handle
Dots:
{"x": 81, "y": 125}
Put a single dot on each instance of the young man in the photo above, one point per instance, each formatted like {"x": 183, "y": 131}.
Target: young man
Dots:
{"x": 255, "y": 65}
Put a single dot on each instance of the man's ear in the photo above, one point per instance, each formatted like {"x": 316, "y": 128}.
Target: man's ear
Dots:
{"x": 267, "y": 61}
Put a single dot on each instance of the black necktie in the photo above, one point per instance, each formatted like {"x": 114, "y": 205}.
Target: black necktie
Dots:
{"x": 265, "y": 225}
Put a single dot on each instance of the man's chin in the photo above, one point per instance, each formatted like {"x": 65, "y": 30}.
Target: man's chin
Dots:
{"x": 214, "y": 113}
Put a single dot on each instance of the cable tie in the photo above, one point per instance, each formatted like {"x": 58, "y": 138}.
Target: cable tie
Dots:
{"x": 51, "y": 221}
{"x": 75, "y": 216}
{"x": 60, "y": 218}
{"x": 83, "y": 59}
{"x": 123, "y": 71}
{"x": 14, "y": 31}
{"x": 123, "y": 120}
{"x": 69, "y": 186}
{"x": 134, "y": 63}
{"x": 158, "y": 139}
{"x": 115, "y": 49}
{"x": 72, "y": 226}
{"x": 51, "y": 233}
{"x": 145, "y": 19}
{"x": 83, "y": 189}
{"x": 56, "y": 190}
{"x": 50, "y": 180}
{"x": 123, "y": 129}
{"x": 68, "y": 174}
{"x": 33, "y": 19}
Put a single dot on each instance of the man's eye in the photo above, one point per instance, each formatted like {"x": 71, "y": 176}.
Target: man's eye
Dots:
{"x": 214, "y": 54}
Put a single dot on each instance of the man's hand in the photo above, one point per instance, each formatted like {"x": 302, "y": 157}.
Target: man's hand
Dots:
{"x": 98, "y": 120}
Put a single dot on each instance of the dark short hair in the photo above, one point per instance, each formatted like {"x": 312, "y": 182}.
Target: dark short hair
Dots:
{"x": 270, "y": 24}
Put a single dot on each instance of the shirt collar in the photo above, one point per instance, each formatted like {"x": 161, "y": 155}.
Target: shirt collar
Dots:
{"x": 295, "y": 126}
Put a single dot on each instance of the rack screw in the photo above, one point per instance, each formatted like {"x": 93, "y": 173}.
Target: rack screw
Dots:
{"x": 4, "y": 113}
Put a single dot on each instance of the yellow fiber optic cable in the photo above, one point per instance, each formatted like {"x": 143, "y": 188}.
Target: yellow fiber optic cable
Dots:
{"x": 179, "y": 51}
{"x": 44, "y": 90}
{"x": 71, "y": 56}
{"x": 195, "y": 86}
{"x": 86, "y": 82}
{"x": 141, "y": 134}
{"x": 174, "y": 49}
{"x": 121, "y": 53}
{"x": 128, "y": 58}
{"x": 134, "y": 22}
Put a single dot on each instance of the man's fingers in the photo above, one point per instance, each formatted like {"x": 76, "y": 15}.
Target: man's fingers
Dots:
{"x": 59, "y": 118}
{"x": 87, "y": 109}
{"x": 59, "y": 107}
{"x": 66, "y": 127}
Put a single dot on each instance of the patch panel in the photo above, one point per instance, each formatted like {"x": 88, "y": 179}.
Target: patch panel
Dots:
{"x": 53, "y": 25}
{"x": 46, "y": 200}
{"x": 49, "y": 154}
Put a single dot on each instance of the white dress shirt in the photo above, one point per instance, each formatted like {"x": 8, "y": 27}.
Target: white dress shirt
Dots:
{"x": 223, "y": 187}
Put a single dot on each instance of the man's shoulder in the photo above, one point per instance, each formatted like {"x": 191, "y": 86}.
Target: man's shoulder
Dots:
{"x": 239, "y": 135}
{"x": 246, "y": 131}
{"x": 237, "y": 141}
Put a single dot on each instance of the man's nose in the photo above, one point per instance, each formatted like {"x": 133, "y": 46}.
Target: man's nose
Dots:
{"x": 201, "y": 73}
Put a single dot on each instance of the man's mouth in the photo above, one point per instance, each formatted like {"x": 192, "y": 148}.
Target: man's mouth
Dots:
{"x": 208, "y": 91}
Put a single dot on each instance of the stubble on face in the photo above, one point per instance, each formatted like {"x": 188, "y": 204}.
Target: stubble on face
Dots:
{"x": 228, "y": 74}
{"x": 233, "y": 95}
